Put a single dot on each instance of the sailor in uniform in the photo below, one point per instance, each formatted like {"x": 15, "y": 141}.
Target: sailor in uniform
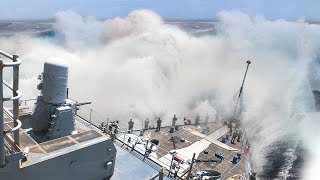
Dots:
{"x": 131, "y": 123}
{"x": 174, "y": 119}
{"x": 196, "y": 122}
{"x": 158, "y": 125}
{"x": 234, "y": 135}
{"x": 206, "y": 120}
{"x": 146, "y": 124}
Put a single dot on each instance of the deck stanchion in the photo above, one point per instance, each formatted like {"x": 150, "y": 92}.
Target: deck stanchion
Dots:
{"x": 170, "y": 166}
{"x": 15, "y": 87}
{"x": 189, "y": 174}
{"x": 2, "y": 150}
{"x": 145, "y": 152}
{"x": 90, "y": 116}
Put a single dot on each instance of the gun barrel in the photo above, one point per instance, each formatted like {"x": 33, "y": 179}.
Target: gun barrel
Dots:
{"x": 84, "y": 103}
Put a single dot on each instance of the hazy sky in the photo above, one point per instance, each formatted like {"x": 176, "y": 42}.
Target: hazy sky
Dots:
{"x": 169, "y": 9}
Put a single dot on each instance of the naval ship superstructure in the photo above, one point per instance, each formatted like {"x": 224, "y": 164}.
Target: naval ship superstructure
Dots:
{"x": 48, "y": 140}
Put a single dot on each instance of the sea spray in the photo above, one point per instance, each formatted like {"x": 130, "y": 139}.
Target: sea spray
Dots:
{"x": 138, "y": 66}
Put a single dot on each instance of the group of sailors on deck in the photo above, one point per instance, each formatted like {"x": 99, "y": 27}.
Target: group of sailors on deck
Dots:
{"x": 234, "y": 126}
{"x": 174, "y": 125}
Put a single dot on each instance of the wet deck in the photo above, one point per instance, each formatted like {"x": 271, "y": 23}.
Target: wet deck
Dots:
{"x": 195, "y": 141}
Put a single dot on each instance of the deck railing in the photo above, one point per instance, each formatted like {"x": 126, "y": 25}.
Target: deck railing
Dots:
{"x": 120, "y": 135}
{"x": 14, "y": 115}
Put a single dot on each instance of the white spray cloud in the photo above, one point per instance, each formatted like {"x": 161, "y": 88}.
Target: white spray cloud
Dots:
{"x": 78, "y": 31}
{"x": 136, "y": 23}
{"x": 138, "y": 66}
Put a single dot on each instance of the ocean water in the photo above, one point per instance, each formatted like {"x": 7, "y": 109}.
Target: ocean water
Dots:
{"x": 44, "y": 28}
{"x": 142, "y": 66}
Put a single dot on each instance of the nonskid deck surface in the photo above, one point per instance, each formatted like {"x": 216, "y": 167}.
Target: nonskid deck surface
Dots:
{"x": 190, "y": 139}
{"x": 40, "y": 151}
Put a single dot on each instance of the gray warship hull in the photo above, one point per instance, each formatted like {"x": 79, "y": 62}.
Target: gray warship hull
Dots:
{"x": 53, "y": 144}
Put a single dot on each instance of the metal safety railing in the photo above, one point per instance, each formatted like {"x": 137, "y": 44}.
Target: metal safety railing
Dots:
{"x": 28, "y": 102}
{"x": 14, "y": 115}
{"x": 120, "y": 133}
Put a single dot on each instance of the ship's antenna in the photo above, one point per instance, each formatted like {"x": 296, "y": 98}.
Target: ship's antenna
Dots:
{"x": 241, "y": 88}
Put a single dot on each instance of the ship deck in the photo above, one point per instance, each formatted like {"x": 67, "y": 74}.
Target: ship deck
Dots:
{"x": 188, "y": 139}
{"x": 191, "y": 139}
{"x": 40, "y": 151}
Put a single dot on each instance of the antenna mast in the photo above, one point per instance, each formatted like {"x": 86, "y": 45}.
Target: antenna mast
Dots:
{"x": 241, "y": 88}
